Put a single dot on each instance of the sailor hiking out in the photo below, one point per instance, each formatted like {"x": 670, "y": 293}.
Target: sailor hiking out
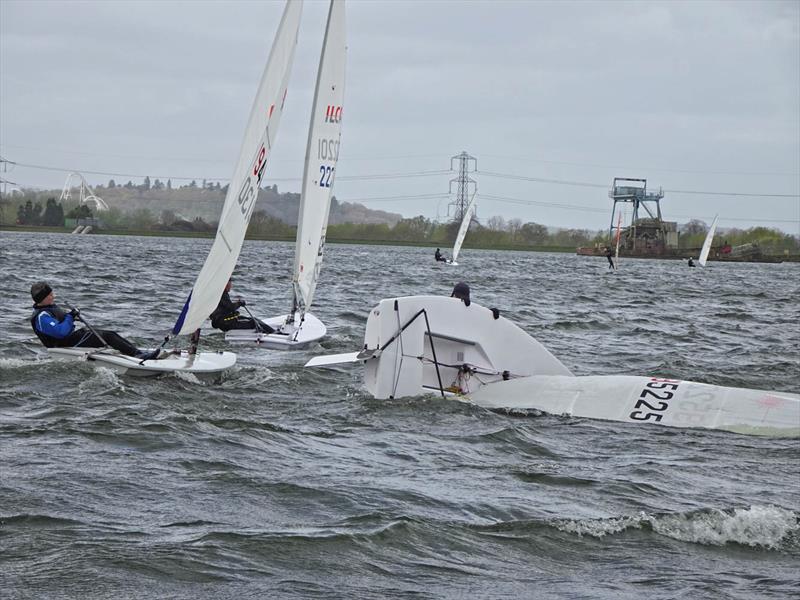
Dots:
{"x": 55, "y": 327}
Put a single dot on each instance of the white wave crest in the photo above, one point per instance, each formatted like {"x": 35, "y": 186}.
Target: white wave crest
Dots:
{"x": 762, "y": 526}
{"x": 104, "y": 380}
{"x": 758, "y": 526}
{"x": 15, "y": 363}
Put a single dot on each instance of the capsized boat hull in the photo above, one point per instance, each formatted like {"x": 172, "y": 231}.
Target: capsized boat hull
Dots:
{"x": 660, "y": 401}
{"x": 200, "y": 364}
{"x": 294, "y": 336}
{"x": 419, "y": 345}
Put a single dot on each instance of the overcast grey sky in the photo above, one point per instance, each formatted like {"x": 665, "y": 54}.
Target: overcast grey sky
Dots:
{"x": 693, "y": 96}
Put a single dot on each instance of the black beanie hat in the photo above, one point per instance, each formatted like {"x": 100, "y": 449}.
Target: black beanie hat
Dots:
{"x": 40, "y": 290}
{"x": 461, "y": 291}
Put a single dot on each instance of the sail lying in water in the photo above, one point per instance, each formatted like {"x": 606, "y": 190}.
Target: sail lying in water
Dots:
{"x": 707, "y": 243}
{"x": 300, "y": 328}
{"x": 259, "y": 139}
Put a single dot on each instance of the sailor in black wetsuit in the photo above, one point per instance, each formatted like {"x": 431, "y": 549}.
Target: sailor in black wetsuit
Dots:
{"x": 691, "y": 262}
{"x": 226, "y": 316}
{"x": 438, "y": 256}
{"x": 609, "y": 254}
{"x": 55, "y": 327}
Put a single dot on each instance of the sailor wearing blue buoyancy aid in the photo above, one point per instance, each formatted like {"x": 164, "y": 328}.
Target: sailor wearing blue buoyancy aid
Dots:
{"x": 55, "y": 327}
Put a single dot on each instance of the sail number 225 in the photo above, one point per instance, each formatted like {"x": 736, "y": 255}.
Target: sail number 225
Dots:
{"x": 653, "y": 400}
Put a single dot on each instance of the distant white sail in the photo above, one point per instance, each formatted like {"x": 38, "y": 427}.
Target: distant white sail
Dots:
{"x": 707, "y": 243}
{"x": 619, "y": 233}
{"x": 462, "y": 231}
{"x": 259, "y": 138}
{"x": 322, "y": 155}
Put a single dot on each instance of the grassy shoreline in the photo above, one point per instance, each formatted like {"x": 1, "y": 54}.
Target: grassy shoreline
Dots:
{"x": 332, "y": 240}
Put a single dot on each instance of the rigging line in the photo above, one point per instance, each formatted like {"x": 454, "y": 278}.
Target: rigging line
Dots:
{"x": 602, "y": 185}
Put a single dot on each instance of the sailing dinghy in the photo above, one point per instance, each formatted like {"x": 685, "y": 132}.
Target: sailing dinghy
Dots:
{"x": 432, "y": 344}
{"x": 462, "y": 230}
{"x": 707, "y": 243}
{"x": 299, "y": 328}
{"x": 259, "y": 139}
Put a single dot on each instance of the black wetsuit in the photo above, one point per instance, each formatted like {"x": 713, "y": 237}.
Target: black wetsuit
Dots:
{"x": 55, "y": 328}
{"x": 438, "y": 256}
{"x": 226, "y": 317}
{"x": 609, "y": 254}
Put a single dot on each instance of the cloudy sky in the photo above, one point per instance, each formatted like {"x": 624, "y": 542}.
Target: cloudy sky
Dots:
{"x": 700, "y": 98}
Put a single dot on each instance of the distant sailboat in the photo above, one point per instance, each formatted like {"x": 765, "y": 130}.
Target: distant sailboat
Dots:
{"x": 707, "y": 243}
{"x": 300, "y": 328}
{"x": 616, "y": 252}
{"x": 462, "y": 230}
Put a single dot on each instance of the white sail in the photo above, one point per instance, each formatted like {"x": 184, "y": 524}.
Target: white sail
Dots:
{"x": 619, "y": 233}
{"x": 707, "y": 243}
{"x": 259, "y": 138}
{"x": 462, "y": 231}
{"x": 322, "y": 154}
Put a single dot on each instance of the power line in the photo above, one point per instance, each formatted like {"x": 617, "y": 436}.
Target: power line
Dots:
{"x": 621, "y": 168}
{"x": 605, "y": 186}
{"x": 582, "y": 208}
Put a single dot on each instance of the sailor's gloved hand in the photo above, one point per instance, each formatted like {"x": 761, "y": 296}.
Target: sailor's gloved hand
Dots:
{"x": 75, "y": 313}
{"x": 495, "y": 312}
{"x": 242, "y": 302}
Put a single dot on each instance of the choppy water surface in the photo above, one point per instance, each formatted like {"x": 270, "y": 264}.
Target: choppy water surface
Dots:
{"x": 284, "y": 482}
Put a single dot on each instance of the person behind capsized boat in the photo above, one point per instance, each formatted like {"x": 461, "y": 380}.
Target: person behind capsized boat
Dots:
{"x": 226, "y": 316}
{"x": 609, "y": 255}
{"x": 55, "y": 327}
{"x": 691, "y": 262}
{"x": 461, "y": 291}
{"x": 438, "y": 256}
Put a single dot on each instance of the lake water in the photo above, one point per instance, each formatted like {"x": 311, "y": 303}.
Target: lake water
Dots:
{"x": 284, "y": 482}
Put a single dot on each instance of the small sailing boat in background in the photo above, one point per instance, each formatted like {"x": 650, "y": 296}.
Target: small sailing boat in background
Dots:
{"x": 707, "y": 243}
{"x": 462, "y": 230}
{"x": 616, "y": 251}
{"x": 299, "y": 328}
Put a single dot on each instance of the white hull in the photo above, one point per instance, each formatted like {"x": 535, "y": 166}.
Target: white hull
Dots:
{"x": 668, "y": 402}
{"x": 295, "y": 336}
{"x": 428, "y": 344}
{"x": 202, "y": 363}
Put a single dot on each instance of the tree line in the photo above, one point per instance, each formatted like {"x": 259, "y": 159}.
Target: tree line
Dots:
{"x": 496, "y": 233}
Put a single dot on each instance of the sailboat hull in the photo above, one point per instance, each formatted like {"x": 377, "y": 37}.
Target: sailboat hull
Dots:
{"x": 200, "y": 364}
{"x": 427, "y": 344}
{"x": 295, "y": 336}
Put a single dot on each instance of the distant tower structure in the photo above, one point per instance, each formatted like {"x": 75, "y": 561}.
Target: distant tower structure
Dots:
{"x": 463, "y": 183}
{"x": 645, "y": 231}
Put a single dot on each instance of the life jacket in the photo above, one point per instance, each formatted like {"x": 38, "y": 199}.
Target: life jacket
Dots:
{"x": 225, "y": 311}
{"x": 58, "y": 314}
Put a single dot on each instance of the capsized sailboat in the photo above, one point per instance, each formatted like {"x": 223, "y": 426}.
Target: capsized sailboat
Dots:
{"x": 462, "y": 230}
{"x": 299, "y": 328}
{"x": 707, "y": 243}
{"x": 259, "y": 138}
{"x": 419, "y": 345}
